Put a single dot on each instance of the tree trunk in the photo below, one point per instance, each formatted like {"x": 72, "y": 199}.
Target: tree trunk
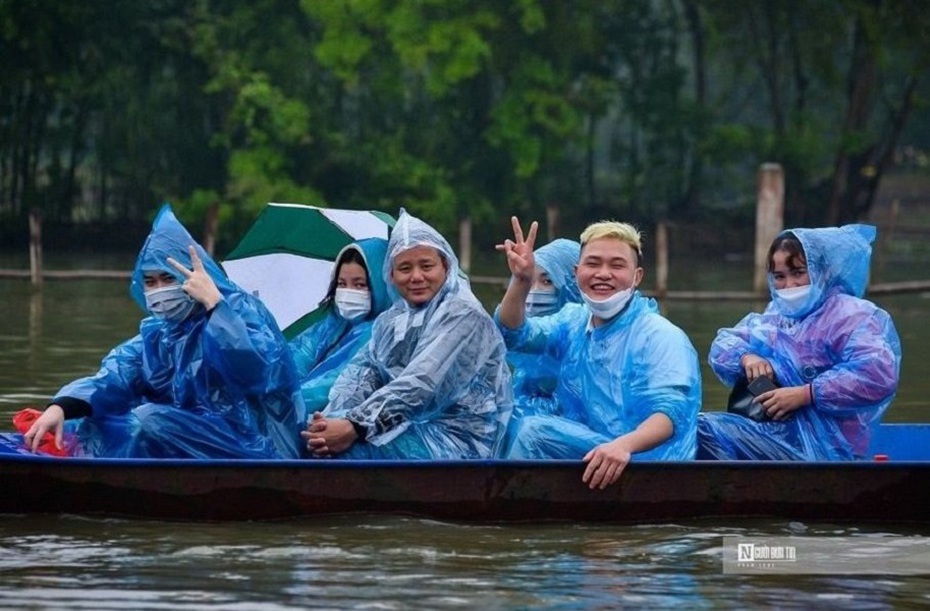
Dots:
{"x": 77, "y": 139}
{"x": 848, "y": 165}
{"x": 865, "y": 202}
{"x": 696, "y": 28}
{"x": 589, "y": 161}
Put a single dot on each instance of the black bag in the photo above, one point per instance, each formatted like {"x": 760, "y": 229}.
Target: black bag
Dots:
{"x": 742, "y": 399}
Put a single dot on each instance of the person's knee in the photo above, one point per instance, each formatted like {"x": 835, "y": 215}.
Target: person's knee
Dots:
{"x": 525, "y": 437}
{"x": 533, "y": 424}
{"x": 158, "y": 422}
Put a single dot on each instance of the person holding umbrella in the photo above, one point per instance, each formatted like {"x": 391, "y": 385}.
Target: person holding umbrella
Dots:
{"x": 354, "y": 299}
{"x": 433, "y": 381}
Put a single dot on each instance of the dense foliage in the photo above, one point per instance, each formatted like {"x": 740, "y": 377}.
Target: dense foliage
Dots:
{"x": 642, "y": 109}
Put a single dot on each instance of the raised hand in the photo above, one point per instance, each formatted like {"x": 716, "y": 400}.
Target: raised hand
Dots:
{"x": 519, "y": 251}
{"x": 198, "y": 283}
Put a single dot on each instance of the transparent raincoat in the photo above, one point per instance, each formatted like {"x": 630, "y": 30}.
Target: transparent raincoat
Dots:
{"x": 846, "y": 347}
{"x": 324, "y": 349}
{"x": 433, "y": 381}
{"x": 535, "y": 375}
{"x": 215, "y": 385}
{"x": 612, "y": 378}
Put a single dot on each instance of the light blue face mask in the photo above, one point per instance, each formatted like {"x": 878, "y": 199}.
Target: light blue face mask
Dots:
{"x": 542, "y": 303}
{"x": 605, "y": 309}
{"x": 169, "y": 303}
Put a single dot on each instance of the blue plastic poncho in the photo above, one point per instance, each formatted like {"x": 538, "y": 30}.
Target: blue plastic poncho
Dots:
{"x": 433, "y": 381}
{"x": 535, "y": 375}
{"x": 324, "y": 349}
{"x": 612, "y": 378}
{"x": 215, "y": 385}
{"x": 846, "y": 347}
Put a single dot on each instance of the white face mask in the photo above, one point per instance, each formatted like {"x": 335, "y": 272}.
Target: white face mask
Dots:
{"x": 352, "y": 304}
{"x": 542, "y": 303}
{"x": 793, "y": 300}
{"x": 608, "y": 308}
{"x": 169, "y": 303}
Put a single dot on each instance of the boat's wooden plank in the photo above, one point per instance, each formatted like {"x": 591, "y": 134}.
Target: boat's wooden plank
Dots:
{"x": 486, "y": 491}
{"x": 480, "y": 491}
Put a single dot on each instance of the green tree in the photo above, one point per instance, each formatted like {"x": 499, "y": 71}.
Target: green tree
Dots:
{"x": 798, "y": 67}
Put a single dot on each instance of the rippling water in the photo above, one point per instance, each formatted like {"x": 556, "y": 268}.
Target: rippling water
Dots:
{"x": 396, "y": 563}
{"x": 389, "y": 562}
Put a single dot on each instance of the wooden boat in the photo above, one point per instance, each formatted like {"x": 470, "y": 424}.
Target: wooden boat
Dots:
{"x": 892, "y": 490}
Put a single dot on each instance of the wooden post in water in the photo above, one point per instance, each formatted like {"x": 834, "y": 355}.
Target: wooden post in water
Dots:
{"x": 35, "y": 248}
{"x": 661, "y": 260}
{"x": 465, "y": 244}
{"x": 886, "y": 237}
{"x": 210, "y": 226}
{"x": 552, "y": 221}
{"x": 770, "y": 219}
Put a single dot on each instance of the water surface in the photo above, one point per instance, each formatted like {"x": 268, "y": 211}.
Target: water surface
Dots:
{"x": 402, "y": 563}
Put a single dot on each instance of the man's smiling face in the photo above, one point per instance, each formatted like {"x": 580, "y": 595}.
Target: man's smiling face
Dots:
{"x": 607, "y": 266}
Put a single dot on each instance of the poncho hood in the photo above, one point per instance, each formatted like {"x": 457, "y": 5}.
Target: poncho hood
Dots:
{"x": 838, "y": 260}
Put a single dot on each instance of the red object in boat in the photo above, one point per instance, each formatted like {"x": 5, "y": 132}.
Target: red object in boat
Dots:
{"x": 22, "y": 421}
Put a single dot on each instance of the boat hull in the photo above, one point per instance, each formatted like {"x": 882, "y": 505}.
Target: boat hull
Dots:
{"x": 499, "y": 491}
{"x": 472, "y": 491}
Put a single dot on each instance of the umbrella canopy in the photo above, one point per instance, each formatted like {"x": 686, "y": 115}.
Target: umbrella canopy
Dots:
{"x": 286, "y": 258}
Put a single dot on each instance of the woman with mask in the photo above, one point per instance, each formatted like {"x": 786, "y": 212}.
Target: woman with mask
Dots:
{"x": 835, "y": 356}
{"x": 353, "y": 301}
{"x": 208, "y": 376}
{"x": 535, "y": 375}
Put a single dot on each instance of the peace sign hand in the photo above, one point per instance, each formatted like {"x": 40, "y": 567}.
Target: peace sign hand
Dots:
{"x": 198, "y": 283}
{"x": 519, "y": 251}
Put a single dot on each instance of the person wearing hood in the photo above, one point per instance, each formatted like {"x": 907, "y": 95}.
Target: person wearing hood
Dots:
{"x": 629, "y": 384}
{"x": 355, "y": 298}
{"x": 535, "y": 375}
{"x": 208, "y": 376}
{"x": 433, "y": 382}
{"x": 835, "y": 356}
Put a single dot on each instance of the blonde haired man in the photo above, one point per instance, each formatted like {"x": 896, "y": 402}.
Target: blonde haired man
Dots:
{"x": 629, "y": 381}
{"x": 614, "y": 229}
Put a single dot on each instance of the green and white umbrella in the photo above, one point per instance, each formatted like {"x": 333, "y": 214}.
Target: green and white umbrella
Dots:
{"x": 286, "y": 258}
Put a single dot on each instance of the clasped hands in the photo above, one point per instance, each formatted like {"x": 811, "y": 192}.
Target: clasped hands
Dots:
{"x": 328, "y": 436}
